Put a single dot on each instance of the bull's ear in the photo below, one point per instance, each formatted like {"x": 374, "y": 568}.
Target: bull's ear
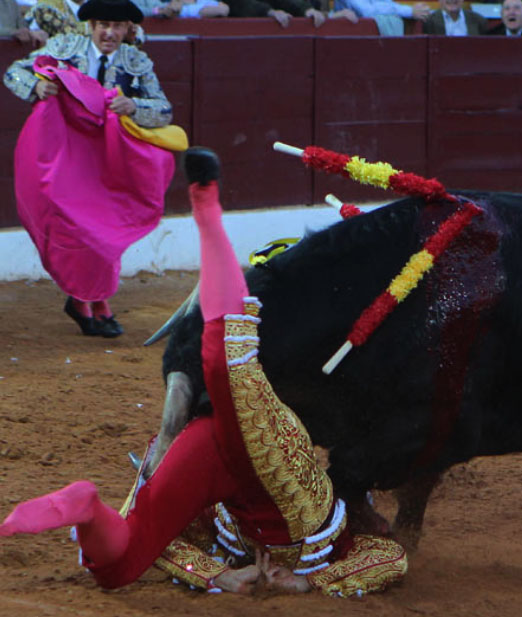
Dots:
{"x": 201, "y": 165}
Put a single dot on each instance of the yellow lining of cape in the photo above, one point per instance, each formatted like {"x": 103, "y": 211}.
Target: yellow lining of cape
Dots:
{"x": 169, "y": 137}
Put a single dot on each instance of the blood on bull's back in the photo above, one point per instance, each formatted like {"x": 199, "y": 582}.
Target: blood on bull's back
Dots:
{"x": 436, "y": 383}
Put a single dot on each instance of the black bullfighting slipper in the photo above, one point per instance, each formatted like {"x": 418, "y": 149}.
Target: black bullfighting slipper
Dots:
{"x": 87, "y": 324}
{"x": 108, "y": 326}
{"x": 201, "y": 165}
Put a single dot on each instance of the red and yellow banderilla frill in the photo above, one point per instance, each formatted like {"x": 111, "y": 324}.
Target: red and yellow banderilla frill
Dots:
{"x": 383, "y": 175}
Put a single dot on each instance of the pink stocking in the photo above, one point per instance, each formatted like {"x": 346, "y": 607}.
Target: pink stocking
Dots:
{"x": 101, "y": 308}
{"x": 223, "y": 285}
{"x": 102, "y": 531}
{"x": 190, "y": 478}
{"x": 84, "y": 308}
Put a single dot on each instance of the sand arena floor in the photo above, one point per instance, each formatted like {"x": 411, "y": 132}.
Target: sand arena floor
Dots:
{"x": 71, "y": 407}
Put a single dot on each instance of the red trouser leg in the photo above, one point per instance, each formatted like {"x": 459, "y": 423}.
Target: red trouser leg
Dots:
{"x": 190, "y": 478}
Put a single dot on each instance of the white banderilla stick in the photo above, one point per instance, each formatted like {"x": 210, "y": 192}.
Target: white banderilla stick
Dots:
{"x": 281, "y": 147}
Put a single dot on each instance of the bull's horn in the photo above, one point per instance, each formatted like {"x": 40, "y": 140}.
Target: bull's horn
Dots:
{"x": 171, "y": 322}
{"x": 175, "y": 416}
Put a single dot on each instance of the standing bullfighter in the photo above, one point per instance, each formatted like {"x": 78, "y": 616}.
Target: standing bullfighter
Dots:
{"x": 86, "y": 189}
{"x": 252, "y": 454}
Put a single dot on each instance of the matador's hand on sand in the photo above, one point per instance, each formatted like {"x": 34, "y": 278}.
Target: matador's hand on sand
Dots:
{"x": 241, "y": 581}
{"x": 281, "y": 579}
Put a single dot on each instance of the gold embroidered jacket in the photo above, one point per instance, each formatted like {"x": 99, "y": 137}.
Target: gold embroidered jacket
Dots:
{"x": 282, "y": 454}
{"x": 277, "y": 443}
{"x": 131, "y": 69}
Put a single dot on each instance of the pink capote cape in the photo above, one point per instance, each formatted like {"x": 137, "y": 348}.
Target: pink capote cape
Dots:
{"x": 85, "y": 188}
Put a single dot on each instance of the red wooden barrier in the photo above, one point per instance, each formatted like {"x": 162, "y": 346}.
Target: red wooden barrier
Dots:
{"x": 258, "y": 26}
{"x": 248, "y": 93}
{"x": 12, "y": 116}
{"x": 475, "y": 112}
{"x": 370, "y": 100}
{"x": 173, "y": 65}
{"x": 446, "y": 107}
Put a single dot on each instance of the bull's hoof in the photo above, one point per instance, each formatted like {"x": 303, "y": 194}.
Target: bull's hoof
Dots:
{"x": 201, "y": 165}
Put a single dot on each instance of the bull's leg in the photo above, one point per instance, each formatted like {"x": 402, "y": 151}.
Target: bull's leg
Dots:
{"x": 363, "y": 518}
{"x": 178, "y": 399}
{"x": 412, "y": 500}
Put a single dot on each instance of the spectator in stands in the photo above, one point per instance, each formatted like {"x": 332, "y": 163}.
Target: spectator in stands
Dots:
{"x": 12, "y": 24}
{"x": 280, "y": 10}
{"x": 511, "y": 19}
{"x": 452, "y": 20}
{"x": 283, "y": 11}
{"x": 183, "y": 8}
{"x": 374, "y": 8}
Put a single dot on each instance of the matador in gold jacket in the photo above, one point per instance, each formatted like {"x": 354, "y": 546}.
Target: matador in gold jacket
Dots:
{"x": 239, "y": 481}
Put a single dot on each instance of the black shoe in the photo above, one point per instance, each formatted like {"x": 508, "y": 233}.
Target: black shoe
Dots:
{"x": 108, "y": 327}
{"x": 87, "y": 324}
{"x": 201, "y": 165}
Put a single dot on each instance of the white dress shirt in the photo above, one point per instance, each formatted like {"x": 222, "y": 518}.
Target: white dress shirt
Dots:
{"x": 455, "y": 28}
{"x": 94, "y": 56}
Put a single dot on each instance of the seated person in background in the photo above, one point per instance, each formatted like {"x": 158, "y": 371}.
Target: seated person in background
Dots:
{"x": 280, "y": 10}
{"x": 183, "y": 8}
{"x": 12, "y": 24}
{"x": 452, "y": 20}
{"x": 511, "y": 19}
{"x": 374, "y": 8}
{"x": 283, "y": 11}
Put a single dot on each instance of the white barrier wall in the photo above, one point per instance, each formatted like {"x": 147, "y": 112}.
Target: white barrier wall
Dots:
{"x": 174, "y": 245}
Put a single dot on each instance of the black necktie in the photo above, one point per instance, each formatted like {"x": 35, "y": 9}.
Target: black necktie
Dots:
{"x": 101, "y": 69}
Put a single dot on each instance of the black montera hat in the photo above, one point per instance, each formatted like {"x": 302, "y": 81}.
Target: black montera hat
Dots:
{"x": 110, "y": 10}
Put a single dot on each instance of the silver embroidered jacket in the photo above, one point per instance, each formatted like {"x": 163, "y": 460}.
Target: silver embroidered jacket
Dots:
{"x": 131, "y": 69}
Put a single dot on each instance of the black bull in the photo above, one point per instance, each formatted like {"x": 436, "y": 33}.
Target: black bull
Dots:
{"x": 439, "y": 382}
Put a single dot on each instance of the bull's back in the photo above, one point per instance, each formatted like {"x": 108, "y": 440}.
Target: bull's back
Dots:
{"x": 438, "y": 382}
{"x": 424, "y": 391}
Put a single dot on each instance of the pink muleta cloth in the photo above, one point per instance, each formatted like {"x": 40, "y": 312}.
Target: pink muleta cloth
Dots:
{"x": 88, "y": 182}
